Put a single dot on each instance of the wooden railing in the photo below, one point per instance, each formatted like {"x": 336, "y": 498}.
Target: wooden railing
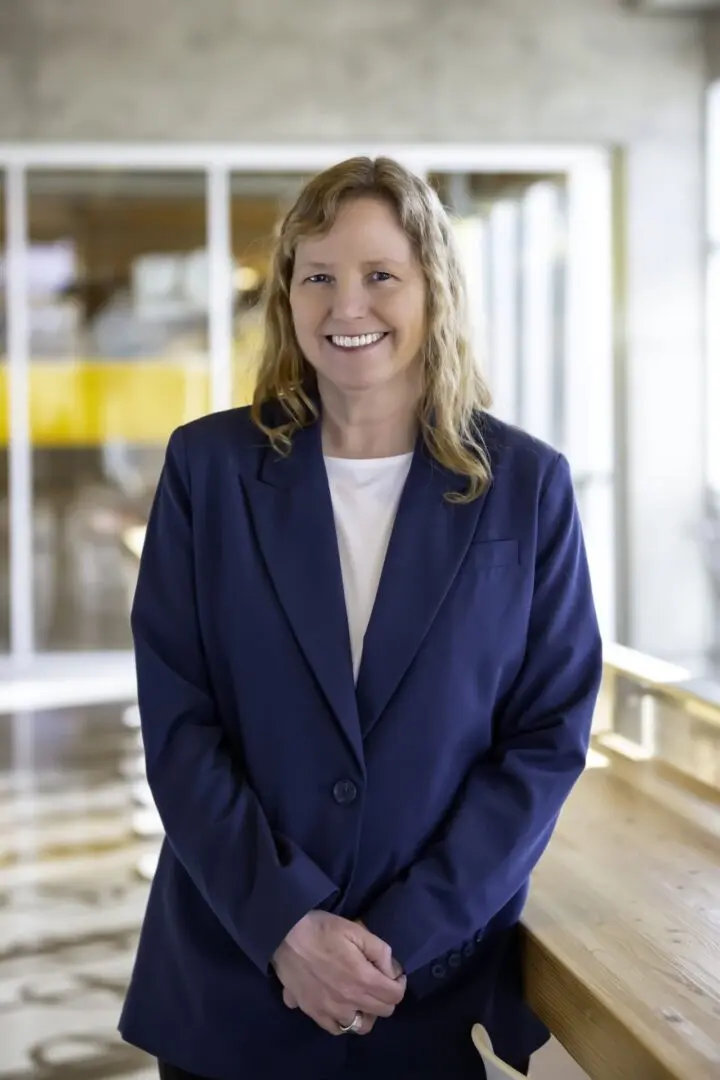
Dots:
{"x": 622, "y": 924}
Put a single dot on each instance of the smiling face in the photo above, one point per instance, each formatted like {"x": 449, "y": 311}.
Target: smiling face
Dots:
{"x": 357, "y": 297}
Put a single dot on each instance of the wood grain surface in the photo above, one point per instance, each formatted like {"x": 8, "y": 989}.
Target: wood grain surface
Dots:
{"x": 623, "y": 928}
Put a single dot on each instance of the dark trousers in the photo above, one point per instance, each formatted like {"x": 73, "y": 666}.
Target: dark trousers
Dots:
{"x": 169, "y": 1072}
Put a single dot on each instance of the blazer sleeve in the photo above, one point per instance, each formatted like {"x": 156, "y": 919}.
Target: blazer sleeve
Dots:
{"x": 257, "y": 882}
{"x": 505, "y": 814}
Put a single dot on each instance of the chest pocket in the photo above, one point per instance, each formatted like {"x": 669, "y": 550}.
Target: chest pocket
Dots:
{"x": 485, "y": 554}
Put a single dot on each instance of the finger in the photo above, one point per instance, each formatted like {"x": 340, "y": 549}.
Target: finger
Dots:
{"x": 378, "y": 952}
{"x": 330, "y": 1025}
{"x": 326, "y": 1022}
{"x": 379, "y": 988}
{"x": 376, "y": 1006}
{"x": 342, "y": 1005}
{"x": 364, "y": 994}
{"x": 290, "y": 999}
{"x": 372, "y": 1007}
{"x": 377, "y": 971}
{"x": 367, "y": 1025}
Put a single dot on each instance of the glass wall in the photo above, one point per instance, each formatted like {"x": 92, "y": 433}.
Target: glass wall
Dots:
{"x": 117, "y": 284}
{"x": 113, "y": 281}
{"x": 512, "y": 234}
{"x": 522, "y": 243}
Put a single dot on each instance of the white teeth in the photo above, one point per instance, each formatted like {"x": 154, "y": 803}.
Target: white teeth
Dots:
{"x": 356, "y": 342}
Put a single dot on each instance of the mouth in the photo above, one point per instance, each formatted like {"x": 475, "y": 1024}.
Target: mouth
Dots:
{"x": 358, "y": 341}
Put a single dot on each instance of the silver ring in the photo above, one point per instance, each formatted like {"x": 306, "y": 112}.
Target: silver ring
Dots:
{"x": 353, "y": 1026}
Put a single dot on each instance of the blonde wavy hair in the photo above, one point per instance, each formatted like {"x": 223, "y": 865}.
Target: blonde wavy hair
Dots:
{"x": 454, "y": 393}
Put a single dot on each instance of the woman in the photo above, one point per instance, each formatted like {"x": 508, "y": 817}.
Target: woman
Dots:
{"x": 367, "y": 663}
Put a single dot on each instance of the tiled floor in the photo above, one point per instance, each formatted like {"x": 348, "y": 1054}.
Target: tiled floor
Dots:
{"x": 71, "y": 898}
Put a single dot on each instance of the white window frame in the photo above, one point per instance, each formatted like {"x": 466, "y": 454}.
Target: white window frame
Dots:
{"x": 712, "y": 320}
{"x": 589, "y": 397}
{"x": 712, "y": 343}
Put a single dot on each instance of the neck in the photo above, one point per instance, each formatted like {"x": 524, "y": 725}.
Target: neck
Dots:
{"x": 367, "y": 425}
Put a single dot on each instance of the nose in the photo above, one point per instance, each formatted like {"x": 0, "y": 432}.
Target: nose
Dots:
{"x": 350, "y": 300}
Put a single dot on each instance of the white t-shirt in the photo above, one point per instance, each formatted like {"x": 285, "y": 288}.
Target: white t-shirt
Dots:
{"x": 365, "y": 495}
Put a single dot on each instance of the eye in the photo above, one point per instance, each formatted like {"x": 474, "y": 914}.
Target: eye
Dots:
{"x": 318, "y": 279}
{"x": 380, "y": 275}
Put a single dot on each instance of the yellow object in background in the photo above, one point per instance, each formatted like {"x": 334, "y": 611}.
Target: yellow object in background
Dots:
{"x": 90, "y": 402}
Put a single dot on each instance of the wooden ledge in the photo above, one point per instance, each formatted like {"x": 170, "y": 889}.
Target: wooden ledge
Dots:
{"x": 623, "y": 929}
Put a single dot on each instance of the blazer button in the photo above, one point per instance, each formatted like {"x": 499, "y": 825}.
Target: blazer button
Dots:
{"x": 454, "y": 960}
{"x": 438, "y": 971}
{"x": 344, "y": 792}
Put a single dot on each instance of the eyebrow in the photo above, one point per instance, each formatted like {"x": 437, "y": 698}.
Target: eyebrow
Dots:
{"x": 311, "y": 265}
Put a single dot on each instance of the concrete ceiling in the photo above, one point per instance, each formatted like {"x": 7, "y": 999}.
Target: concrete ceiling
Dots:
{"x": 689, "y": 7}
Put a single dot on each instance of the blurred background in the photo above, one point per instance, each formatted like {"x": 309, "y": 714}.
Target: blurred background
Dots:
{"x": 147, "y": 151}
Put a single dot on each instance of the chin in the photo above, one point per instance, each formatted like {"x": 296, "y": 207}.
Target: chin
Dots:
{"x": 357, "y": 382}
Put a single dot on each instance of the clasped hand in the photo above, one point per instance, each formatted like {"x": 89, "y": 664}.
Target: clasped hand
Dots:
{"x": 332, "y": 968}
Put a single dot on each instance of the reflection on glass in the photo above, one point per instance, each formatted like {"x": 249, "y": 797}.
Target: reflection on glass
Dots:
{"x": 118, "y": 328}
{"x": 712, "y": 396}
{"x": 4, "y": 509}
{"x": 259, "y": 202}
{"x": 712, "y": 347}
{"x": 471, "y": 237}
{"x": 503, "y": 308}
{"x": 510, "y": 228}
{"x": 713, "y": 162}
{"x": 541, "y": 298}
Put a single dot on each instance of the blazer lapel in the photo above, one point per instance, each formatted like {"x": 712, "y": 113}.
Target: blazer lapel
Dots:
{"x": 429, "y": 541}
{"x": 293, "y": 516}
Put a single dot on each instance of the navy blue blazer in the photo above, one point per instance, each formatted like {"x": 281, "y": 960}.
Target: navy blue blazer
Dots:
{"x": 419, "y": 801}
